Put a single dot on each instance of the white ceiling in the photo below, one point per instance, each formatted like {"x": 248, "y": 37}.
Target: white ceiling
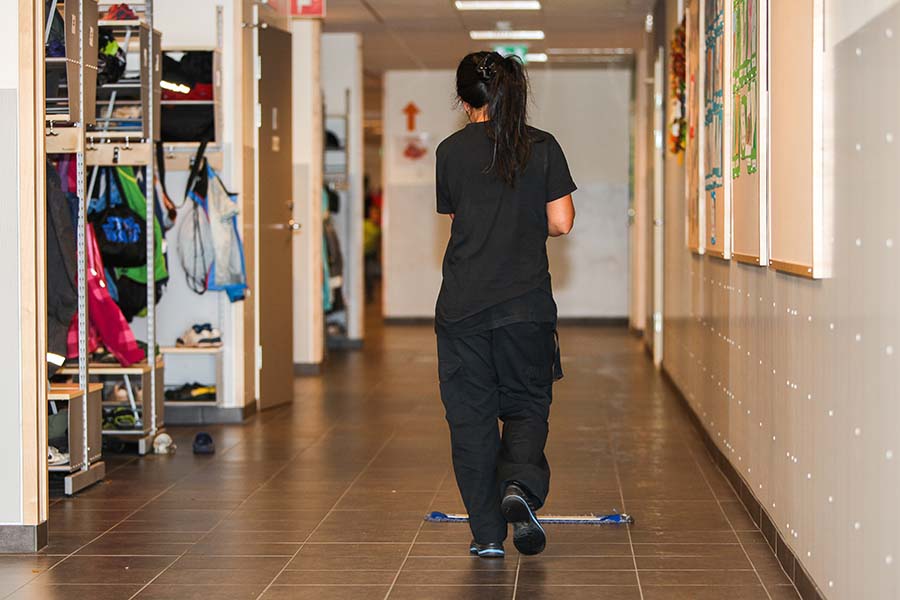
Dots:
{"x": 432, "y": 34}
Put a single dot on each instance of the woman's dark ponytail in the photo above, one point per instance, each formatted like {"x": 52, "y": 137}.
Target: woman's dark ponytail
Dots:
{"x": 489, "y": 79}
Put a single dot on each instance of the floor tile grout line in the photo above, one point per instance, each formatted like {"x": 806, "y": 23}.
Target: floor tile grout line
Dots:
{"x": 231, "y": 512}
{"x": 516, "y": 582}
{"x": 415, "y": 537}
{"x": 615, "y": 454}
{"x": 706, "y": 480}
{"x": 330, "y": 511}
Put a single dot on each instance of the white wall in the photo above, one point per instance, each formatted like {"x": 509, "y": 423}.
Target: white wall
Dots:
{"x": 23, "y": 308}
{"x": 309, "y": 328}
{"x": 588, "y": 112}
{"x": 796, "y": 380}
{"x": 342, "y": 71}
{"x": 11, "y": 360}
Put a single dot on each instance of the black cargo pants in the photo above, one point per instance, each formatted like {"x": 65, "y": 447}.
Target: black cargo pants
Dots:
{"x": 506, "y": 374}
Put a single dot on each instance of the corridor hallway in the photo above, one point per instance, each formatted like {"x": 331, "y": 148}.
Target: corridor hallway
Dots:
{"x": 324, "y": 500}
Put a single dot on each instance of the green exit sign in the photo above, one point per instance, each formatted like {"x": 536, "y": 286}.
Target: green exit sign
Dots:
{"x": 520, "y": 51}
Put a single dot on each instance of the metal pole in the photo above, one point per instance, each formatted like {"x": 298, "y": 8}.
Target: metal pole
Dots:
{"x": 82, "y": 242}
{"x": 151, "y": 221}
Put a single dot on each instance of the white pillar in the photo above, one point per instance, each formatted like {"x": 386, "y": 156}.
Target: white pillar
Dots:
{"x": 309, "y": 326}
{"x": 23, "y": 308}
{"x": 342, "y": 87}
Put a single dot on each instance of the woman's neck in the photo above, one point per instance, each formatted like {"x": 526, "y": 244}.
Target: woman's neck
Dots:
{"x": 478, "y": 115}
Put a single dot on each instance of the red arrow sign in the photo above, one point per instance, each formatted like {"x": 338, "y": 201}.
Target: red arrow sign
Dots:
{"x": 411, "y": 112}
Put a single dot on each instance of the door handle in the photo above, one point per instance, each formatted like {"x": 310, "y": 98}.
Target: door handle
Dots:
{"x": 293, "y": 225}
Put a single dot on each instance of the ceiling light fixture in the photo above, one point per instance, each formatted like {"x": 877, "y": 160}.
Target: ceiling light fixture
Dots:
{"x": 590, "y": 51}
{"x": 536, "y": 57}
{"x": 511, "y": 34}
{"x": 498, "y": 5}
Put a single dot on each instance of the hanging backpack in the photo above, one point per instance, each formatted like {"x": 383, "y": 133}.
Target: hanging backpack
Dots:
{"x": 121, "y": 231}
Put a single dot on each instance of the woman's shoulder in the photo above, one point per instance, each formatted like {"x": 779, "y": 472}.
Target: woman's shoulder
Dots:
{"x": 539, "y": 136}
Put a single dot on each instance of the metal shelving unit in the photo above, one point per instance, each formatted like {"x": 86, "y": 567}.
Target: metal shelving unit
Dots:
{"x": 67, "y": 117}
{"x": 79, "y": 121}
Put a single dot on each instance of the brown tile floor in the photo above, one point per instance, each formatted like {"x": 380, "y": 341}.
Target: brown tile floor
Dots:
{"x": 324, "y": 500}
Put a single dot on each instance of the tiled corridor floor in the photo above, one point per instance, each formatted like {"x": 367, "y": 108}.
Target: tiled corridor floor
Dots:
{"x": 324, "y": 499}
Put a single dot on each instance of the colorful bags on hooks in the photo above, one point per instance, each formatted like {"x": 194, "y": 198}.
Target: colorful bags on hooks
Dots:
{"x": 107, "y": 324}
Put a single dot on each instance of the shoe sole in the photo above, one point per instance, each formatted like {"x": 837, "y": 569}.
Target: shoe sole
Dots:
{"x": 489, "y": 553}
{"x": 528, "y": 536}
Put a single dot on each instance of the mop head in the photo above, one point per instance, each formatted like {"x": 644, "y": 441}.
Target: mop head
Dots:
{"x": 614, "y": 519}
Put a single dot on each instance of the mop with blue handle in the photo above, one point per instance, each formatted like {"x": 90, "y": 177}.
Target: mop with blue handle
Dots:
{"x": 613, "y": 519}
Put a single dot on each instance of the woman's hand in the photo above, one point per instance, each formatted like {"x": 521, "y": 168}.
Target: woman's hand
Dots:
{"x": 560, "y": 216}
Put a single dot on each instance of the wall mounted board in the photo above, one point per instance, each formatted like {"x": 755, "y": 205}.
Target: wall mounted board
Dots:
{"x": 797, "y": 199}
{"x": 717, "y": 139}
{"x": 696, "y": 210}
{"x": 749, "y": 82}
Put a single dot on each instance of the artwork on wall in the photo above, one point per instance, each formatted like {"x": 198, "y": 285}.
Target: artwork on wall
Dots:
{"x": 677, "y": 84}
{"x": 749, "y": 130}
{"x": 694, "y": 128}
{"x": 800, "y": 215}
{"x": 716, "y": 96}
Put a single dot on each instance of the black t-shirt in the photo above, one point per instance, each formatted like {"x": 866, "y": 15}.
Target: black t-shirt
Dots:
{"x": 495, "y": 268}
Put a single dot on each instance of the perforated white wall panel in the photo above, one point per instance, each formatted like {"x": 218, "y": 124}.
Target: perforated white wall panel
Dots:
{"x": 797, "y": 380}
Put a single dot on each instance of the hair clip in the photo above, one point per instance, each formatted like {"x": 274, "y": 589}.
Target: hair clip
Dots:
{"x": 486, "y": 68}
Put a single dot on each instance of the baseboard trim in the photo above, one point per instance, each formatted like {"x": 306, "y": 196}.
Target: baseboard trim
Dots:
{"x": 566, "y": 321}
{"x": 23, "y": 538}
{"x": 307, "y": 369}
{"x": 594, "y": 321}
{"x": 207, "y": 415}
{"x": 408, "y": 321}
{"x": 341, "y": 343}
{"x": 806, "y": 587}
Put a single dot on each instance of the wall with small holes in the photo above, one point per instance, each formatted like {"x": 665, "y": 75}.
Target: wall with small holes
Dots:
{"x": 796, "y": 380}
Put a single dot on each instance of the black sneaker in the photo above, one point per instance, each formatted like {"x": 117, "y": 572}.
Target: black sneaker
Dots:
{"x": 492, "y": 550}
{"x": 528, "y": 535}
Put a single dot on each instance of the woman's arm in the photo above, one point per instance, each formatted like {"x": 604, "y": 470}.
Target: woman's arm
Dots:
{"x": 560, "y": 216}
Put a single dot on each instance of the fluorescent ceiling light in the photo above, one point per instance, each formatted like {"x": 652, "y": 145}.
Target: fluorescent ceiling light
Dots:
{"x": 536, "y": 57}
{"x": 498, "y": 5}
{"x": 590, "y": 51}
{"x": 502, "y": 34}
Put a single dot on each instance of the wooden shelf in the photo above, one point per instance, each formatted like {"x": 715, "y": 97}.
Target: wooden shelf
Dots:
{"x": 120, "y": 23}
{"x": 66, "y": 392}
{"x": 107, "y": 369}
{"x": 192, "y": 349}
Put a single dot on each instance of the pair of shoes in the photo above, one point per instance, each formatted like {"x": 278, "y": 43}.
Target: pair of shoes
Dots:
{"x": 528, "y": 535}
{"x": 200, "y": 335}
{"x": 121, "y": 418}
{"x": 192, "y": 392}
{"x": 491, "y": 550}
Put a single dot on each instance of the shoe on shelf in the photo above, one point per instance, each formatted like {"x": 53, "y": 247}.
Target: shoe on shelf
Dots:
{"x": 491, "y": 550}
{"x": 119, "y": 12}
{"x": 56, "y": 458}
{"x": 192, "y": 392}
{"x": 202, "y": 335}
{"x": 528, "y": 535}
